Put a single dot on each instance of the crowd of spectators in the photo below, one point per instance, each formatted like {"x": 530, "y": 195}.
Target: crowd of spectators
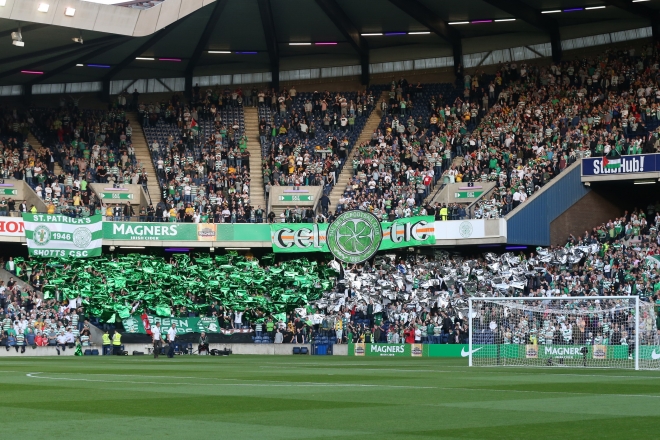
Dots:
{"x": 29, "y": 320}
{"x": 519, "y": 128}
{"x": 88, "y": 145}
{"x": 200, "y": 156}
{"x": 306, "y": 137}
{"x": 414, "y": 298}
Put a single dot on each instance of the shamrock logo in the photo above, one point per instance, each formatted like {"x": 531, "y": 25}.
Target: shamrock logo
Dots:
{"x": 355, "y": 236}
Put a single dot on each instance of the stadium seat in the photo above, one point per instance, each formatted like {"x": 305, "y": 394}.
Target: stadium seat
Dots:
{"x": 296, "y": 350}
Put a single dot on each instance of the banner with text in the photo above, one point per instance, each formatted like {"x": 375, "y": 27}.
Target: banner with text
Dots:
{"x": 56, "y": 235}
{"x": 307, "y": 237}
{"x": 12, "y": 227}
{"x": 135, "y": 324}
{"x": 630, "y": 164}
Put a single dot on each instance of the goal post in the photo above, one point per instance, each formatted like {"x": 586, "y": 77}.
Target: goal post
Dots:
{"x": 588, "y": 331}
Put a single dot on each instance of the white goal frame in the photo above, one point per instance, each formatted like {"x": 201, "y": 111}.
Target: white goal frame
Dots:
{"x": 560, "y": 298}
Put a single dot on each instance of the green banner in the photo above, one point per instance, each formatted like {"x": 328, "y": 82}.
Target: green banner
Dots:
{"x": 150, "y": 231}
{"x": 467, "y": 194}
{"x": 353, "y": 237}
{"x": 294, "y": 198}
{"x": 383, "y": 350}
{"x": 116, "y": 196}
{"x": 8, "y": 192}
{"x": 238, "y": 232}
{"x": 134, "y": 324}
{"x": 56, "y": 235}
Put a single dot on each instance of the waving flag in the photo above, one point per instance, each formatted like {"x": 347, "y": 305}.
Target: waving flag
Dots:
{"x": 611, "y": 164}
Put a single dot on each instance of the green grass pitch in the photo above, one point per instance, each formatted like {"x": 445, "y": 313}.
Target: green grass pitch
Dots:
{"x": 304, "y": 397}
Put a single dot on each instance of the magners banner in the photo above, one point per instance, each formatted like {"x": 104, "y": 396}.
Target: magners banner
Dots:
{"x": 355, "y": 236}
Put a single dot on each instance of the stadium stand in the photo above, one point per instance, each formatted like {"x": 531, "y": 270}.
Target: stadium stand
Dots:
{"x": 617, "y": 257}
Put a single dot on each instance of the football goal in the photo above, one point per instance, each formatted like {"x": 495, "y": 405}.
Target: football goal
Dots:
{"x": 591, "y": 331}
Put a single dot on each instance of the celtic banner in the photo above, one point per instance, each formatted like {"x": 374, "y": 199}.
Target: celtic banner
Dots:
{"x": 56, "y": 235}
{"x": 353, "y": 237}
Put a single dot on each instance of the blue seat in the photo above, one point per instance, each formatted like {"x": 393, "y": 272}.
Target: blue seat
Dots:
{"x": 296, "y": 350}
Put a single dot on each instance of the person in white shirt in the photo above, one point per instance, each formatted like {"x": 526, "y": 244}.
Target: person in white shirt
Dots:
{"x": 238, "y": 319}
{"x": 61, "y": 342}
{"x": 171, "y": 337}
{"x": 157, "y": 340}
{"x": 69, "y": 336}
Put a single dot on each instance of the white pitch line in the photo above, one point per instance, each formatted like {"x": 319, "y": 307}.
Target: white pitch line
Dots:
{"x": 321, "y": 384}
{"x": 259, "y": 384}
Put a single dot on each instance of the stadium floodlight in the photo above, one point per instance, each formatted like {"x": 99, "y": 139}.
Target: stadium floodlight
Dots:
{"x": 70, "y": 12}
{"x": 579, "y": 331}
{"x": 3, "y": 2}
{"x": 43, "y": 7}
{"x": 17, "y": 38}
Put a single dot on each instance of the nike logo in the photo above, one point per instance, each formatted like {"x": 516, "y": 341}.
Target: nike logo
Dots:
{"x": 467, "y": 353}
{"x": 655, "y": 356}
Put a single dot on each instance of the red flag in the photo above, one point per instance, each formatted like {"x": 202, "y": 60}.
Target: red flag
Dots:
{"x": 145, "y": 323}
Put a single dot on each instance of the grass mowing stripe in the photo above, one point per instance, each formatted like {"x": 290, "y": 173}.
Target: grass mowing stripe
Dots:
{"x": 319, "y": 397}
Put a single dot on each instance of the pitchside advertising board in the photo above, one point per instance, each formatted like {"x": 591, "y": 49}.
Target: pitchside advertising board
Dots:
{"x": 622, "y": 165}
{"x": 504, "y": 351}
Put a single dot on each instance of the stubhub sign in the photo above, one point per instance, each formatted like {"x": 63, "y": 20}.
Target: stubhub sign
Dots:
{"x": 633, "y": 164}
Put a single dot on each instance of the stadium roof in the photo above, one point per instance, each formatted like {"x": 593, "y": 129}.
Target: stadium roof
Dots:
{"x": 186, "y": 38}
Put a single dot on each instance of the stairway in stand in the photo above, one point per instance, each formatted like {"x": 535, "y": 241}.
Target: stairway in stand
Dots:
{"x": 257, "y": 196}
{"x": 347, "y": 172}
{"x": 36, "y": 146}
{"x": 143, "y": 155}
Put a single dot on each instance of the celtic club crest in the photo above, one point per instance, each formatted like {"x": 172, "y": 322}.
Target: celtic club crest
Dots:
{"x": 41, "y": 235}
{"x": 82, "y": 237}
{"x": 354, "y": 236}
{"x": 465, "y": 229}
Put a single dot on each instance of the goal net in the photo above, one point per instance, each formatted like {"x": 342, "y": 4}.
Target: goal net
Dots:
{"x": 597, "y": 332}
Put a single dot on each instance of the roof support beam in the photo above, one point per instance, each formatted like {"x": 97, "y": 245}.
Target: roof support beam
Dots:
{"x": 435, "y": 24}
{"x": 639, "y": 10}
{"x": 532, "y": 16}
{"x": 54, "y": 50}
{"x": 350, "y": 32}
{"x": 150, "y": 41}
{"x": 73, "y": 49}
{"x": 202, "y": 42}
{"x": 28, "y": 28}
{"x": 268, "y": 23}
{"x": 81, "y": 60}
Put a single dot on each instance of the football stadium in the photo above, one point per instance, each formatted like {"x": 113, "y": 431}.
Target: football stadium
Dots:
{"x": 316, "y": 219}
